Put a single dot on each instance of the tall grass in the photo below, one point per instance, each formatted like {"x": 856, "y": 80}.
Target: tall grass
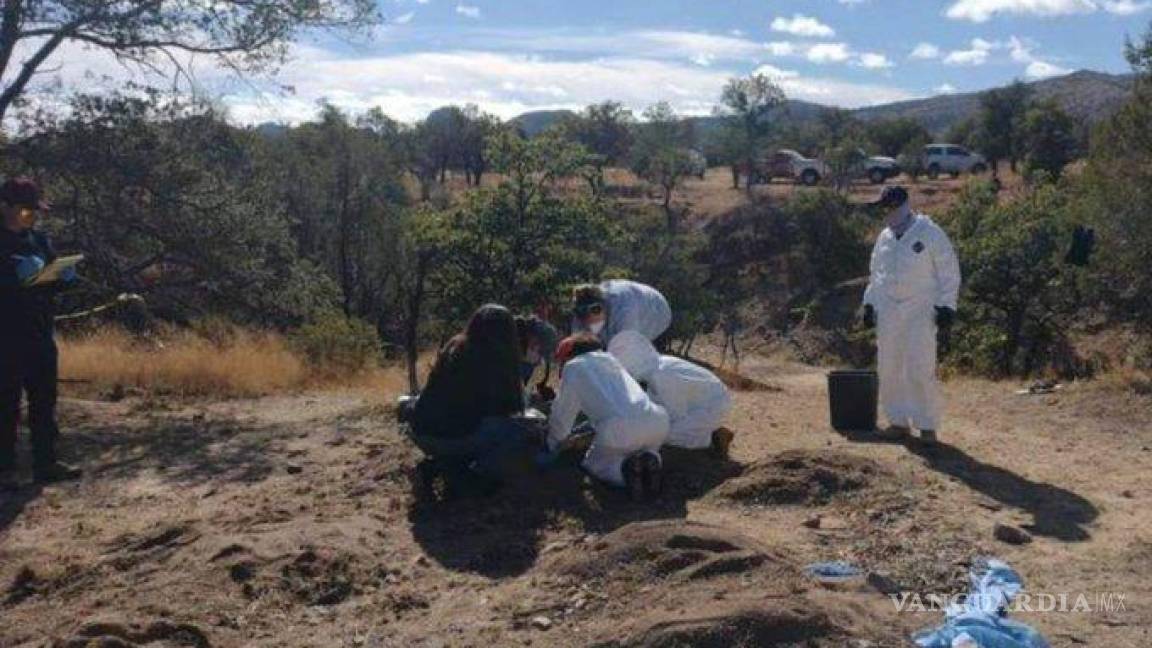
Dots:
{"x": 187, "y": 363}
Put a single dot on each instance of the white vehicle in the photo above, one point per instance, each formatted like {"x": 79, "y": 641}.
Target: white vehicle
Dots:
{"x": 787, "y": 163}
{"x": 953, "y": 160}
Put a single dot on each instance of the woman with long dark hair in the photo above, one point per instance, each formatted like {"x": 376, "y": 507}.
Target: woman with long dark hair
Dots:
{"x": 463, "y": 418}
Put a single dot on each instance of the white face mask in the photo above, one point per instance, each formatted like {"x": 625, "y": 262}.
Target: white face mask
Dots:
{"x": 596, "y": 327}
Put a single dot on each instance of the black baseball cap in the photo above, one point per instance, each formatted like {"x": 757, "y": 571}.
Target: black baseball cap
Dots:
{"x": 23, "y": 191}
{"x": 892, "y": 197}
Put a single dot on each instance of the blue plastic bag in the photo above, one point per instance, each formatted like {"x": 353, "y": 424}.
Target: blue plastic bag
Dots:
{"x": 981, "y": 620}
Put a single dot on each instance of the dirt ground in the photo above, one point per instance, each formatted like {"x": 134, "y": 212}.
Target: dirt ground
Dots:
{"x": 291, "y": 521}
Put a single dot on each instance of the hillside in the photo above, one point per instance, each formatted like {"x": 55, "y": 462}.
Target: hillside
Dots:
{"x": 1086, "y": 95}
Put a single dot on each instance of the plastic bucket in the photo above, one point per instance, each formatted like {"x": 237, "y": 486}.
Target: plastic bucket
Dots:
{"x": 852, "y": 398}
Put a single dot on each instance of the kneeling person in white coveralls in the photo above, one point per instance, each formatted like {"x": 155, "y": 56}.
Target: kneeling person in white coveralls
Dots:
{"x": 696, "y": 399}
{"x": 915, "y": 281}
{"x": 629, "y": 427}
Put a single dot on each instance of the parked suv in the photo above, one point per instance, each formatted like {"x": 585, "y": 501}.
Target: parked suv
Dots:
{"x": 952, "y": 159}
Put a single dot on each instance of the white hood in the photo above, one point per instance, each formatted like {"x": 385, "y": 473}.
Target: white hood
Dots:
{"x": 636, "y": 353}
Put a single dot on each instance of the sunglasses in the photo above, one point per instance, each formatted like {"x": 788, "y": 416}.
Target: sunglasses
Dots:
{"x": 589, "y": 309}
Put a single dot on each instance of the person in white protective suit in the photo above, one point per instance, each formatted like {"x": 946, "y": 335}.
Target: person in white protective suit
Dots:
{"x": 606, "y": 309}
{"x": 696, "y": 400}
{"x": 915, "y": 282}
{"x": 629, "y": 427}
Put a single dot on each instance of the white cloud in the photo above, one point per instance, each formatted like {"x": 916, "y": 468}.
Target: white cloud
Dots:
{"x": 470, "y": 11}
{"x": 977, "y": 54}
{"x": 925, "y": 51}
{"x": 801, "y": 25}
{"x": 1036, "y": 68}
{"x": 404, "y": 19}
{"x": 828, "y": 53}
{"x": 636, "y": 68}
{"x": 781, "y": 48}
{"x": 1043, "y": 70}
{"x": 1125, "y": 7}
{"x": 983, "y": 10}
{"x": 945, "y": 88}
{"x": 874, "y": 61}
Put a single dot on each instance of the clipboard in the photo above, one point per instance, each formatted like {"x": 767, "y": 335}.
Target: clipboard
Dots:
{"x": 53, "y": 270}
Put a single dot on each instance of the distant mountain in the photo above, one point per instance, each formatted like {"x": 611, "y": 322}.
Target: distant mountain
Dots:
{"x": 1086, "y": 95}
{"x": 536, "y": 122}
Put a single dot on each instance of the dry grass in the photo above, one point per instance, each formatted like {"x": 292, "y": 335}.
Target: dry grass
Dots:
{"x": 180, "y": 363}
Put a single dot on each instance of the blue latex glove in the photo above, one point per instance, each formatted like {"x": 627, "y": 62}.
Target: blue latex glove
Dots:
{"x": 68, "y": 275}
{"x": 27, "y": 266}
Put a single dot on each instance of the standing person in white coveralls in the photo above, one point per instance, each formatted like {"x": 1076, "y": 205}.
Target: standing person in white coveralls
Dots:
{"x": 620, "y": 305}
{"x": 629, "y": 428}
{"x": 913, "y": 290}
{"x": 696, "y": 399}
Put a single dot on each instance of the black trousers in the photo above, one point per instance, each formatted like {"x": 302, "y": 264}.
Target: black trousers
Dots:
{"x": 31, "y": 370}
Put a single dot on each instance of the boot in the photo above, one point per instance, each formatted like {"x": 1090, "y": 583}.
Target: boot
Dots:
{"x": 634, "y": 477}
{"x": 653, "y": 475}
{"x": 722, "y": 442}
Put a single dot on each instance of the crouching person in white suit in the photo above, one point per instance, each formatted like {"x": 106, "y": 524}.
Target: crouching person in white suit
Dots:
{"x": 628, "y": 427}
{"x": 696, "y": 399}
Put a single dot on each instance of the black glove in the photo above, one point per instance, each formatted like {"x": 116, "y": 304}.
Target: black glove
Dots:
{"x": 545, "y": 393}
{"x": 868, "y": 316}
{"x": 945, "y": 317}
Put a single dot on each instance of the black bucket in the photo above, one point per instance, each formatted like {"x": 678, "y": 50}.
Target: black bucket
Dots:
{"x": 852, "y": 398}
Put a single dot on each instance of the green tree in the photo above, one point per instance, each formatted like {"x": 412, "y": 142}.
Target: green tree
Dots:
{"x": 1115, "y": 196}
{"x": 999, "y": 135}
{"x": 749, "y": 105}
{"x": 521, "y": 242}
{"x": 893, "y": 137}
{"x": 1049, "y": 139}
{"x": 167, "y": 200}
{"x": 661, "y": 155}
{"x": 605, "y": 129}
{"x": 1018, "y": 296}
{"x": 341, "y": 186}
{"x": 243, "y": 35}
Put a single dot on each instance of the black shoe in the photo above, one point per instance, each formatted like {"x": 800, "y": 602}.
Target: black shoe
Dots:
{"x": 633, "y": 469}
{"x": 56, "y": 472}
{"x": 722, "y": 442}
{"x": 653, "y": 475}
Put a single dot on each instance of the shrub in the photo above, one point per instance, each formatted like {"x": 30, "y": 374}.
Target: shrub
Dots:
{"x": 335, "y": 345}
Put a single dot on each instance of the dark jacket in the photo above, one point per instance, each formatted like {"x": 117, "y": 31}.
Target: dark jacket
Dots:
{"x": 467, "y": 384}
{"x": 26, "y": 313}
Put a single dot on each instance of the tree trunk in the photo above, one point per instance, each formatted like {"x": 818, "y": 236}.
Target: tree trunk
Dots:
{"x": 412, "y": 325}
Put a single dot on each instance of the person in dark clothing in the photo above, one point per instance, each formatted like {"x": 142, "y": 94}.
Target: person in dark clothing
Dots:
{"x": 28, "y": 358}
{"x": 538, "y": 340}
{"x": 463, "y": 418}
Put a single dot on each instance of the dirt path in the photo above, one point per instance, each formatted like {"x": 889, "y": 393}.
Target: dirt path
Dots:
{"x": 290, "y": 521}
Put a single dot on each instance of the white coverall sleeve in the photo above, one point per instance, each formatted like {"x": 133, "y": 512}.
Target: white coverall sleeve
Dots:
{"x": 947, "y": 270}
{"x": 869, "y": 292}
{"x": 565, "y": 409}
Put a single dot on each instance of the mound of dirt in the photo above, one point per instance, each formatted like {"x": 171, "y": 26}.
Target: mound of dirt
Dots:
{"x": 677, "y": 550}
{"x": 804, "y": 477}
{"x": 739, "y": 628}
{"x": 677, "y": 583}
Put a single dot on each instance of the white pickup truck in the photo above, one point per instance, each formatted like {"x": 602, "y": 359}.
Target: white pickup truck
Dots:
{"x": 787, "y": 163}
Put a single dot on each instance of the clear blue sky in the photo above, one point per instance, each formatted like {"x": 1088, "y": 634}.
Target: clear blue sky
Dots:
{"x": 511, "y": 56}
